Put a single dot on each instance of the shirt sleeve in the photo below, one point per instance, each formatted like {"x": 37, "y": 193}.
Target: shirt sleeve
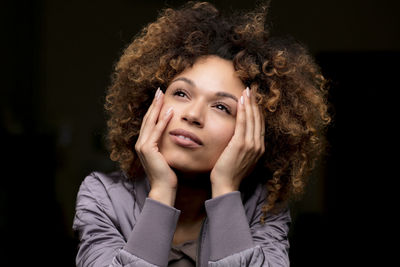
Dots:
{"x": 237, "y": 242}
{"x": 102, "y": 244}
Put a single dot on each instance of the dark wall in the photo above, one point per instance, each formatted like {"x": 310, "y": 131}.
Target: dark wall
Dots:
{"x": 57, "y": 60}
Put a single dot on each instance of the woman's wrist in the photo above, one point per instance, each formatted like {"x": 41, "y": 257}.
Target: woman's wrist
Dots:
{"x": 217, "y": 191}
{"x": 163, "y": 195}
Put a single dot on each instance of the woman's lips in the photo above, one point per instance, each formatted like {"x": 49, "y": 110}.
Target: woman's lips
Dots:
{"x": 180, "y": 140}
{"x": 186, "y": 134}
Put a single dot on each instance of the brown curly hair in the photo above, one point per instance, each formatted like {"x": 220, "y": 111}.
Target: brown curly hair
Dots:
{"x": 287, "y": 82}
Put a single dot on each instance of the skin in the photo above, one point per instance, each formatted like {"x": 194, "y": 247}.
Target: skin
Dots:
{"x": 232, "y": 143}
{"x": 198, "y": 110}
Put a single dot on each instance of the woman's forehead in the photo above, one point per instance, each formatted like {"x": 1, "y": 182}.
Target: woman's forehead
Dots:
{"x": 211, "y": 73}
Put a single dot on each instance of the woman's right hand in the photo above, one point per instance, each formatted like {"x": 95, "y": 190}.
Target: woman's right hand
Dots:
{"x": 162, "y": 178}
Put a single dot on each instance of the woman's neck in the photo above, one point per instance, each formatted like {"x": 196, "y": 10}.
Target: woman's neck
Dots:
{"x": 193, "y": 190}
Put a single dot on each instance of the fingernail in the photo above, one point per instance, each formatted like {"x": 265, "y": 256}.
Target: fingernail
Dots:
{"x": 158, "y": 93}
{"x": 248, "y": 91}
{"x": 168, "y": 112}
{"x": 241, "y": 100}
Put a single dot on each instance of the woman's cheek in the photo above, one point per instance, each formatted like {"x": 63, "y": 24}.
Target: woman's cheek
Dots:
{"x": 223, "y": 133}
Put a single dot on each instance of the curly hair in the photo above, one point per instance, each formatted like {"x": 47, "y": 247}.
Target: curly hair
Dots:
{"x": 287, "y": 82}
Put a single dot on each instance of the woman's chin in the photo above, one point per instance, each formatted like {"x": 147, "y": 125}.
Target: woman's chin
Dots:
{"x": 186, "y": 167}
{"x": 187, "y": 162}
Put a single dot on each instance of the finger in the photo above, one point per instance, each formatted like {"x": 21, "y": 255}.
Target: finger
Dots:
{"x": 249, "y": 136}
{"x": 262, "y": 122}
{"x": 156, "y": 108}
{"x": 240, "y": 127}
{"x": 152, "y": 117}
{"x": 150, "y": 109}
{"x": 160, "y": 127}
{"x": 257, "y": 122}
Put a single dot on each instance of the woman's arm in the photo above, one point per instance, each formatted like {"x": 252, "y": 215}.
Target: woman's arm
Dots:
{"x": 102, "y": 243}
{"x": 233, "y": 242}
{"x": 237, "y": 242}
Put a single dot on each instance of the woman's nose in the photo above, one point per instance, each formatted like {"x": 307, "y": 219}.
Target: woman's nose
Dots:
{"x": 194, "y": 114}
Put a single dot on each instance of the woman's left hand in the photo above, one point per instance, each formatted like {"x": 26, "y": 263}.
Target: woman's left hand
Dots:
{"x": 244, "y": 149}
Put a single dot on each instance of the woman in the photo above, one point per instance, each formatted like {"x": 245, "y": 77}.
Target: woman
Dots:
{"x": 209, "y": 160}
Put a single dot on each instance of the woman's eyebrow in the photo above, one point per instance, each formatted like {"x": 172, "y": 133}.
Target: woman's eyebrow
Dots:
{"x": 191, "y": 83}
{"x": 225, "y": 94}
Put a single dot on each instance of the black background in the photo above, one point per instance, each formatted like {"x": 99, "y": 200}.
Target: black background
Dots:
{"x": 57, "y": 57}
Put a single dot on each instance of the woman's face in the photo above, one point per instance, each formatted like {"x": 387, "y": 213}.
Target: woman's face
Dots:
{"x": 204, "y": 100}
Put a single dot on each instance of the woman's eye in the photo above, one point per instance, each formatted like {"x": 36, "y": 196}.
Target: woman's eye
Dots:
{"x": 219, "y": 106}
{"x": 179, "y": 93}
{"x": 223, "y": 107}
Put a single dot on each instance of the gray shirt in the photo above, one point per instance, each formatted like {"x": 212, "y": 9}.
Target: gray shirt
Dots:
{"x": 183, "y": 255}
{"x": 119, "y": 225}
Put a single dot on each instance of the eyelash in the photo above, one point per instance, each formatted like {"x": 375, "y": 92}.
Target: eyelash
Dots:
{"x": 225, "y": 108}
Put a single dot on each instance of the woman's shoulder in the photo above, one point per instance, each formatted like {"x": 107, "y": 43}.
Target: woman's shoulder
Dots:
{"x": 101, "y": 181}
{"x": 107, "y": 180}
{"x": 101, "y": 186}
{"x": 252, "y": 191}
{"x": 107, "y": 197}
